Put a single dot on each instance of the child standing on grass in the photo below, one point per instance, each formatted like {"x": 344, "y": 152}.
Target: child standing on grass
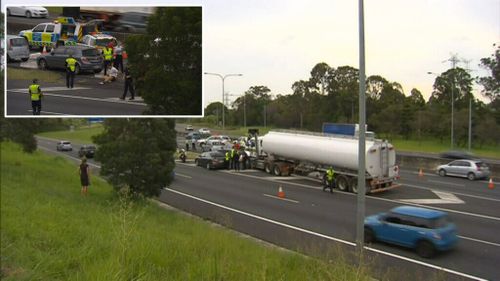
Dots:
{"x": 84, "y": 172}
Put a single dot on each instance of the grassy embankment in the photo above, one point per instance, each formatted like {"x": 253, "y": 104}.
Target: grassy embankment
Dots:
{"x": 30, "y": 74}
{"x": 50, "y": 232}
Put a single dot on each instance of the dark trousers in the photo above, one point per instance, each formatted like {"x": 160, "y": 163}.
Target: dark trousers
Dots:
{"x": 106, "y": 63}
{"x": 37, "y": 106}
{"x": 70, "y": 78}
{"x": 329, "y": 184}
{"x": 118, "y": 62}
{"x": 128, "y": 85}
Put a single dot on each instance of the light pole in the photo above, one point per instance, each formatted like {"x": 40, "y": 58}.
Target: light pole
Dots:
{"x": 452, "y": 104}
{"x": 223, "y": 77}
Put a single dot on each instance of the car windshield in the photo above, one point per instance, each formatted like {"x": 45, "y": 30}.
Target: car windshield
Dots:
{"x": 90, "y": 53}
{"x": 103, "y": 42}
{"x": 66, "y": 142}
{"x": 16, "y": 42}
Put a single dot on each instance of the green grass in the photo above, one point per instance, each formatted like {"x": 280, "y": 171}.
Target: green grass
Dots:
{"x": 81, "y": 135}
{"x": 30, "y": 74}
{"x": 54, "y": 11}
{"x": 50, "y": 232}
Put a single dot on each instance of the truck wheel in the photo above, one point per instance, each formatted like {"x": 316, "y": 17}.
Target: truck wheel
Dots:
{"x": 277, "y": 170}
{"x": 342, "y": 183}
{"x": 353, "y": 185}
{"x": 267, "y": 168}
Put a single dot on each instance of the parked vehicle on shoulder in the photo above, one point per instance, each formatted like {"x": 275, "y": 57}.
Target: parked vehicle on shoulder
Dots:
{"x": 427, "y": 231}
{"x": 471, "y": 169}
{"x": 88, "y": 59}
{"x": 211, "y": 160}
{"x": 64, "y": 146}
{"x": 87, "y": 151}
{"x": 204, "y": 131}
{"x": 28, "y": 11}
{"x": 17, "y": 48}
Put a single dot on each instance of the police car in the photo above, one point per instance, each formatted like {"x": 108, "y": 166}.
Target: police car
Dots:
{"x": 63, "y": 29}
{"x": 99, "y": 40}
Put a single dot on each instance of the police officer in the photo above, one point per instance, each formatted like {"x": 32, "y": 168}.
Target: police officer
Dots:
{"x": 128, "y": 85}
{"x": 70, "y": 71}
{"x": 329, "y": 179}
{"x": 108, "y": 57}
{"x": 227, "y": 160}
{"x": 36, "y": 97}
{"x": 231, "y": 158}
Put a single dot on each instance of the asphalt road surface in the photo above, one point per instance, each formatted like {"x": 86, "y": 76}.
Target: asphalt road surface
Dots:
{"x": 316, "y": 223}
{"x": 87, "y": 98}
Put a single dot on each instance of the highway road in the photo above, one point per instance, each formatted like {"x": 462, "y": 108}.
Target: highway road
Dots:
{"x": 318, "y": 223}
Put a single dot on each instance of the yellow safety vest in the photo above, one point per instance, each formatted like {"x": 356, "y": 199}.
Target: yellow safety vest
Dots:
{"x": 35, "y": 92}
{"x": 329, "y": 174}
{"x": 71, "y": 63}
{"x": 108, "y": 54}
{"x": 227, "y": 156}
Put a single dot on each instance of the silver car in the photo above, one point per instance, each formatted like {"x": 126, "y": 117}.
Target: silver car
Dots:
{"x": 64, "y": 146}
{"x": 471, "y": 169}
{"x": 17, "y": 48}
{"x": 88, "y": 58}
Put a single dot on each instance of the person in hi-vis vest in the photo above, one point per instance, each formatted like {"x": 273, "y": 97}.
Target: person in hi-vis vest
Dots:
{"x": 36, "y": 97}
{"x": 70, "y": 71}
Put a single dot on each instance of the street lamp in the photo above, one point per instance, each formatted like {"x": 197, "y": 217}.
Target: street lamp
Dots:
{"x": 452, "y": 104}
{"x": 223, "y": 77}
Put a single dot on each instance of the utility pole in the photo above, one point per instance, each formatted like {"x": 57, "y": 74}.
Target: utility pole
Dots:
{"x": 454, "y": 60}
{"x": 360, "y": 214}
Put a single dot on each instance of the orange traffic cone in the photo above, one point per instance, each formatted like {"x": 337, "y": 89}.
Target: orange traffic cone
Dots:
{"x": 281, "y": 193}
{"x": 44, "y": 51}
{"x": 490, "y": 184}
{"x": 420, "y": 173}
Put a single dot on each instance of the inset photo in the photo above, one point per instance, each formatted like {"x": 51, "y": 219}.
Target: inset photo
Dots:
{"x": 103, "y": 61}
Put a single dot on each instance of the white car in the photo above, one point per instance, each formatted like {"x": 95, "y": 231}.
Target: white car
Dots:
{"x": 28, "y": 11}
{"x": 64, "y": 146}
{"x": 210, "y": 139}
{"x": 204, "y": 131}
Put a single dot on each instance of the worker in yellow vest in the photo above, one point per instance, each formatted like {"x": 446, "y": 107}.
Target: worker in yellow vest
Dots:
{"x": 330, "y": 179}
{"x": 36, "y": 97}
{"x": 108, "y": 57}
{"x": 70, "y": 71}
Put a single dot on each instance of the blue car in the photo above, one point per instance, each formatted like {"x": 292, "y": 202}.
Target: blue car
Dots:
{"x": 425, "y": 230}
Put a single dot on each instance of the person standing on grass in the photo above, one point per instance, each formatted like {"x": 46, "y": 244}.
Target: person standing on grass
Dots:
{"x": 84, "y": 172}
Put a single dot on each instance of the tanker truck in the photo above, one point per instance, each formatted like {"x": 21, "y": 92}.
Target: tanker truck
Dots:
{"x": 283, "y": 152}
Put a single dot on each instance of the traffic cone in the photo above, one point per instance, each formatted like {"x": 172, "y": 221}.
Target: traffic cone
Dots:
{"x": 44, "y": 50}
{"x": 490, "y": 184}
{"x": 420, "y": 173}
{"x": 281, "y": 193}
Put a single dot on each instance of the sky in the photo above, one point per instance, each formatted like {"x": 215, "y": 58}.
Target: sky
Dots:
{"x": 275, "y": 43}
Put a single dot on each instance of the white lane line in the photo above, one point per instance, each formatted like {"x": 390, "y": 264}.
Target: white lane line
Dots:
{"x": 49, "y": 112}
{"x": 444, "y": 198}
{"x": 279, "y": 198}
{"x": 448, "y": 183}
{"x": 479, "y": 241}
{"x": 183, "y": 176}
{"x": 382, "y": 199}
{"x": 87, "y": 98}
{"x": 325, "y": 236}
{"x": 458, "y": 193}
{"x": 68, "y": 156}
{"x": 50, "y": 89}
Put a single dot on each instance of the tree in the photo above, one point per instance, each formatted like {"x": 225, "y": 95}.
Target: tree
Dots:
{"x": 167, "y": 61}
{"x": 491, "y": 84}
{"x": 137, "y": 153}
{"x": 455, "y": 80}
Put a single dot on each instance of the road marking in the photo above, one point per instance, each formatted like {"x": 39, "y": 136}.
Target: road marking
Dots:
{"x": 448, "y": 183}
{"x": 279, "y": 198}
{"x": 84, "y": 98}
{"x": 325, "y": 236}
{"x": 458, "y": 193}
{"x": 445, "y": 198}
{"x": 68, "y": 156}
{"x": 49, "y": 112}
{"x": 480, "y": 241}
{"x": 50, "y": 89}
{"x": 283, "y": 178}
{"x": 381, "y": 199}
{"x": 183, "y": 176}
